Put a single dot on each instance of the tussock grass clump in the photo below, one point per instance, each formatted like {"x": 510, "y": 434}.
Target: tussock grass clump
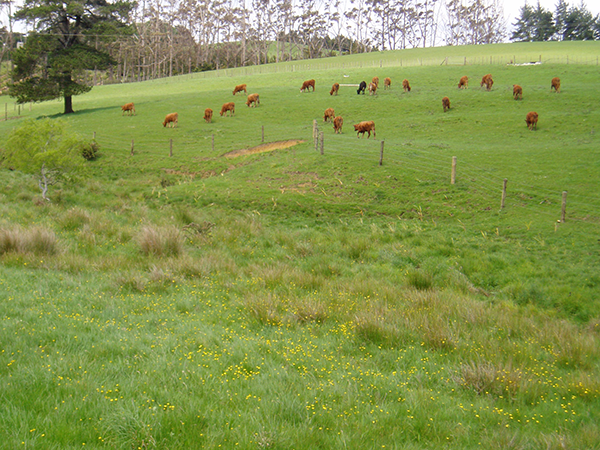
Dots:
{"x": 264, "y": 308}
{"x": 37, "y": 240}
{"x": 161, "y": 241}
{"x": 74, "y": 219}
{"x": 419, "y": 280}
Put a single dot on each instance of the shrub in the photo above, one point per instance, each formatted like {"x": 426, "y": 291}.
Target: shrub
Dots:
{"x": 90, "y": 150}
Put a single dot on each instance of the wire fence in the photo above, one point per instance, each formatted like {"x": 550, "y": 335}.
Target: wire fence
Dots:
{"x": 339, "y": 63}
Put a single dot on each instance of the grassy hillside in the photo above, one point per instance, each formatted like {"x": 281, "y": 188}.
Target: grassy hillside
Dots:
{"x": 293, "y": 299}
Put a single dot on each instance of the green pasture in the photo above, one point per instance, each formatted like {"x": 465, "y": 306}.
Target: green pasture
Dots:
{"x": 294, "y": 299}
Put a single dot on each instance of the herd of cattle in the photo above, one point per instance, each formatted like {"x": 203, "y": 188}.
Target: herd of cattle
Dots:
{"x": 363, "y": 127}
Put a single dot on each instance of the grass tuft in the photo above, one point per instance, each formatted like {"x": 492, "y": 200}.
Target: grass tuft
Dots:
{"x": 161, "y": 241}
{"x": 37, "y": 240}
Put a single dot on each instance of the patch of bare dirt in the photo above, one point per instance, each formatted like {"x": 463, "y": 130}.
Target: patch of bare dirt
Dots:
{"x": 268, "y": 147}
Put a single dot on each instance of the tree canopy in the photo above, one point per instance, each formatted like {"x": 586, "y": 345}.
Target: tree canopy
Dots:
{"x": 46, "y": 149}
{"x": 48, "y": 66}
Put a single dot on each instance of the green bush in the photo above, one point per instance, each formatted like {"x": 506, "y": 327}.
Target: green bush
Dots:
{"x": 89, "y": 150}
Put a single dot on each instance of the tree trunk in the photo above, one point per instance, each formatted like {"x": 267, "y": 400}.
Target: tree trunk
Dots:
{"x": 68, "y": 104}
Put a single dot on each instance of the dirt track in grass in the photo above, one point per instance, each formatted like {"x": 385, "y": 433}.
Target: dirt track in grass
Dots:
{"x": 267, "y": 147}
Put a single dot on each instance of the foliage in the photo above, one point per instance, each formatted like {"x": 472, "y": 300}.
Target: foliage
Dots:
{"x": 45, "y": 148}
{"x": 90, "y": 150}
{"x": 49, "y": 64}
{"x": 566, "y": 24}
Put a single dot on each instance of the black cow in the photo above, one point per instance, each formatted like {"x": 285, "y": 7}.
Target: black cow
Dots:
{"x": 362, "y": 87}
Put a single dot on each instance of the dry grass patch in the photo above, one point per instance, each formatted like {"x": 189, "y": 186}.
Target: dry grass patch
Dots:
{"x": 268, "y": 147}
{"x": 161, "y": 241}
{"x": 37, "y": 240}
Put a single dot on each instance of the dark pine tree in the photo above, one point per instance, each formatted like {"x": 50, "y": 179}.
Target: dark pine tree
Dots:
{"x": 48, "y": 65}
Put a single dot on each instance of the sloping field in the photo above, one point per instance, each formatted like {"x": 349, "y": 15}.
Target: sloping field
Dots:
{"x": 337, "y": 293}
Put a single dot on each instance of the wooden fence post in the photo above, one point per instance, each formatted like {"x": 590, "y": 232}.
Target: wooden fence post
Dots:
{"x": 213, "y": 142}
{"x": 381, "y": 154}
{"x": 322, "y": 139}
{"x": 94, "y": 138}
{"x": 503, "y": 193}
{"x": 132, "y": 147}
{"x": 171, "y": 147}
{"x": 453, "y": 176}
{"x": 563, "y": 212}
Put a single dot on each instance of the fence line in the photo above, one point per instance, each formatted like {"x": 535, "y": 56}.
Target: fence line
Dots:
{"x": 581, "y": 208}
{"x": 379, "y": 62}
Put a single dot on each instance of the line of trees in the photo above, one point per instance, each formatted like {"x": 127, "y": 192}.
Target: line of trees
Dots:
{"x": 566, "y": 23}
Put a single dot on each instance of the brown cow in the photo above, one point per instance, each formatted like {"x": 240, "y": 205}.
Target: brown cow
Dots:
{"x": 337, "y": 124}
{"x": 334, "y": 89}
{"x": 365, "y": 127}
{"x": 463, "y": 83}
{"x": 228, "y": 107}
{"x": 487, "y": 81}
{"x": 555, "y": 84}
{"x": 171, "y": 119}
{"x": 387, "y": 83}
{"x": 239, "y": 88}
{"x": 517, "y": 92}
{"x": 329, "y": 115}
{"x": 307, "y": 85}
{"x": 375, "y": 81}
{"x": 128, "y": 107}
{"x": 532, "y": 120}
{"x": 406, "y": 85}
{"x": 446, "y": 103}
{"x": 253, "y": 100}
{"x": 372, "y": 88}
{"x": 208, "y": 113}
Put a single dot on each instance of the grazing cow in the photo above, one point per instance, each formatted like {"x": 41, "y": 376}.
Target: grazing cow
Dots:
{"x": 307, "y": 85}
{"x": 375, "y": 81}
{"x": 228, "y": 107}
{"x": 362, "y": 87}
{"x": 171, "y": 119}
{"x": 555, "y": 84}
{"x": 517, "y": 92}
{"x": 239, "y": 88}
{"x": 387, "y": 83}
{"x": 372, "y": 88}
{"x": 337, "y": 124}
{"x": 464, "y": 82}
{"x": 487, "y": 81}
{"x": 446, "y": 103}
{"x": 365, "y": 127}
{"x": 406, "y": 85}
{"x": 532, "y": 120}
{"x": 253, "y": 100}
{"x": 329, "y": 115}
{"x": 129, "y": 108}
{"x": 334, "y": 89}
{"x": 208, "y": 115}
